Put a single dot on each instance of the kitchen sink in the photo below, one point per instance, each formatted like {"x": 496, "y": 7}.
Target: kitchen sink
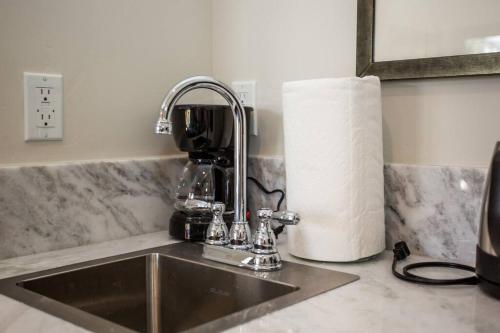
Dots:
{"x": 166, "y": 289}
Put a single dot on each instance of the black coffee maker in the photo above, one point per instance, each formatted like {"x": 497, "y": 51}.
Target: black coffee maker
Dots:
{"x": 206, "y": 133}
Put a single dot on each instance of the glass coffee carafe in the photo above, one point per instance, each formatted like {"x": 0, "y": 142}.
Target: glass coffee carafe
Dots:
{"x": 196, "y": 187}
{"x": 202, "y": 183}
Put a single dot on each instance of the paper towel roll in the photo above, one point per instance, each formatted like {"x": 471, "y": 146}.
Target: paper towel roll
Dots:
{"x": 334, "y": 167}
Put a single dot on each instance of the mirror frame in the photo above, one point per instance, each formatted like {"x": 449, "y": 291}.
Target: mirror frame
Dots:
{"x": 436, "y": 67}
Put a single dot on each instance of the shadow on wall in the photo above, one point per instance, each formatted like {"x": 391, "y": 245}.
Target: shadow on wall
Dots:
{"x": 270, "y": 138}
{"x": 401, "y": 121}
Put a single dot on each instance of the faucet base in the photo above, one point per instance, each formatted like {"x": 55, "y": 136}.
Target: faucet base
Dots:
{"x": 266, "y": 262}
{"x": 244, "y": 259}
{"x": 243, "y": 247}
{"x": 221, "y": 242}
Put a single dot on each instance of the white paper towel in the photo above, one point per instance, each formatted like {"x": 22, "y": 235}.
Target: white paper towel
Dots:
{"x": 334, "y": 167}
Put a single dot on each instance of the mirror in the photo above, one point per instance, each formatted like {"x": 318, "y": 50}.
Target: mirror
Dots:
{"x": 427, "y": 38}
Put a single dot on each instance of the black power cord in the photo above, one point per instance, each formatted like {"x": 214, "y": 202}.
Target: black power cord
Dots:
{"x": 266, "y": 191}
{"x": 277, "y": 230}
{"x": 401, "y": 252}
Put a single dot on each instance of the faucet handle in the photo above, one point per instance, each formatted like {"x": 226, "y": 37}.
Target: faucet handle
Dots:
{"x": 264, "y": 240}
{"x": 217, "y": 233}
{"x": 193, "y": 205}
{"x": 218, "y": 208}
{"x": 265, "y": 213}
{"x": 286, "y": 217}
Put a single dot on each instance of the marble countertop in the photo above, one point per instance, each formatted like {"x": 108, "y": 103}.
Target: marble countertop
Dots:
{"x": 378, "y": 302}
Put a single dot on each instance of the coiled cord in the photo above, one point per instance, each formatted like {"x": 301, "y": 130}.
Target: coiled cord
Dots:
{"x": 401, "y": 251}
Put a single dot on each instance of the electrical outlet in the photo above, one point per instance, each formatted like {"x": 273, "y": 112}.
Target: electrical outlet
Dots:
{"x": 43, "y": 107}
{"x": 245, "y": 90}
{"x": 46, "y": 117}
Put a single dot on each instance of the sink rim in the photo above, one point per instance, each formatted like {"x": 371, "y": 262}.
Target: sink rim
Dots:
{"x": 310, "y": 281}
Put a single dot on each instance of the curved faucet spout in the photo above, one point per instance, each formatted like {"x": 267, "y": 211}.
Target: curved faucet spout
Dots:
{"x": 164, "y": 126}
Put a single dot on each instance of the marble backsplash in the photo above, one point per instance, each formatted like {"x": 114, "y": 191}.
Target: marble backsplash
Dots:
{"x": 46, "y": 208}
{"x": 436, "y": 210}
{"x": 42, "y": 208}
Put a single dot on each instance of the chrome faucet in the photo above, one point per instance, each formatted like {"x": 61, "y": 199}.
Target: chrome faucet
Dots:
{"x": 239, "y": 234}
{"x": 263, "y": 256}
{"x": 237, "y": 248}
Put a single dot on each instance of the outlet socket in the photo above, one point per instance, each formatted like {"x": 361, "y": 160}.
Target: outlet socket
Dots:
{"x": 43, "y": 107}
{"x": 246, "y": 92}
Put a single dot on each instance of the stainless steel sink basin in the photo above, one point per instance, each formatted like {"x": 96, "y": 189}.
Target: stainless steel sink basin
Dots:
{"x": 166, "y": 289}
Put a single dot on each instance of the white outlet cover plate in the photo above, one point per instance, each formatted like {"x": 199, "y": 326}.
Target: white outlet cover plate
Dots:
{"x": 43, "y": 106}
{"x": 246, "y": 92}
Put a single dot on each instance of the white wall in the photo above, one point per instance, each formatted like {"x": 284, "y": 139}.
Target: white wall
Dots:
{"x": 280, "y": 40}
{"x": 118, "y": 58}
{"x": 438, "y": 122}
{"x": 441, "y": 121}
